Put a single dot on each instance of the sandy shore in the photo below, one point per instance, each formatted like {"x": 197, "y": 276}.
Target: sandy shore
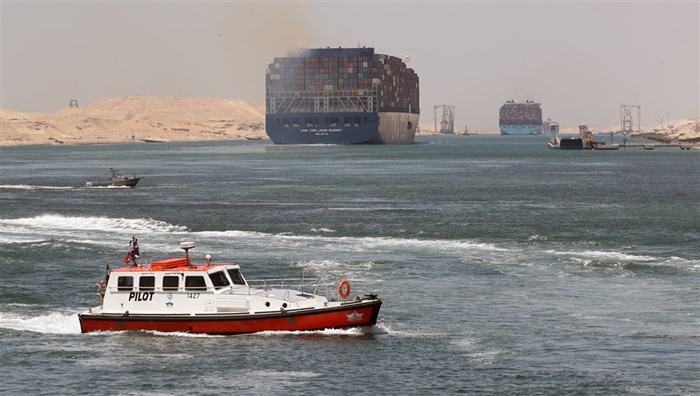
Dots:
{"x": 170, "y": 119}
{"x": 136, "y": 119}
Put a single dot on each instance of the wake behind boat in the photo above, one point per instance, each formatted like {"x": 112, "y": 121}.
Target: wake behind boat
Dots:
{"x": 174, "y": 295}
{"x": 115, "y": 180}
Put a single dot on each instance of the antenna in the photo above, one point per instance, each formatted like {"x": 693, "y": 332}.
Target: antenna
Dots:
{"x": 186, "y": 246}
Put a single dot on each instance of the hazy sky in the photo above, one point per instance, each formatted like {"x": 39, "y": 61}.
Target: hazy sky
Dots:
{"x": 581, "y": 60}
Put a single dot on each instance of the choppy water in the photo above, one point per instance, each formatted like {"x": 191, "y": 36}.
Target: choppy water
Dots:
{"x": 505, "y": 268}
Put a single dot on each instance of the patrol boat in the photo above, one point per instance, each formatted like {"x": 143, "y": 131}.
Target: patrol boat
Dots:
{"x": 115, "y": 180}
{"x": 175, "y": 295}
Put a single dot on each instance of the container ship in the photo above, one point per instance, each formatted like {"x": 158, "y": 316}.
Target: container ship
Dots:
{"x": 341, "y": 96}
{"x": 523, "y": 118}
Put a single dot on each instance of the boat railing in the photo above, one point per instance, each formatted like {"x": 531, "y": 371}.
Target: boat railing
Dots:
{"x": 302, "y": 285}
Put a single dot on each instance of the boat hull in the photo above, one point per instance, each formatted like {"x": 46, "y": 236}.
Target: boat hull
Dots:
{"x": 118, "y": 183}
{"x": 362, "y": 128}
{"x": 571, "y": 144}
{"x": 516, "y": 130}
{"x": 351, "y": 314}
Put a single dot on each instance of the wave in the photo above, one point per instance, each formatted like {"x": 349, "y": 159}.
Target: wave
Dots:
{"x": 50, "y": 223}
{"x": 30, "y": 187}
{"x": 322, "y": 229}
{"x": 355, "y": 331}
{"x": 53, "y": 323}
{"x": 125, "y": 187}
{"x": 362, "y": 242}
{"x": 85, "y": 223}
{"x": 163, "y": 236}
{"x": 634, "y": 263}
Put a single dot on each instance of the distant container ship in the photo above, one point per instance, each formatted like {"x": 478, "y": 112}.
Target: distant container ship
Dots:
{"x": 341, "y": 96}
{"x": 523, "y": 118}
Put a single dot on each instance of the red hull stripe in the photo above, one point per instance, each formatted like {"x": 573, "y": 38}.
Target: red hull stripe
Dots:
{"x": 350, "y": 315}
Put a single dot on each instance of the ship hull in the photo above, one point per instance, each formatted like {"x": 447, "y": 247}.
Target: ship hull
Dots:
{"x": 572, "y": 144}
{"x": 130, "y": 182}
{"x": 347, "y": 315}
{"x": 362, "y": 128}
{"x": 396, "y": 128}
{"x": 521, "y": 130}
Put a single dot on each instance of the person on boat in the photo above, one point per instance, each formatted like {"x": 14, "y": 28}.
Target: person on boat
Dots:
{"x": 133, "y": 254}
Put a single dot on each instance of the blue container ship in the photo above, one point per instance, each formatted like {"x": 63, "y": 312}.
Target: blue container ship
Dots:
{"x": 523, "y": 118}
{"x": 341, "y": 96}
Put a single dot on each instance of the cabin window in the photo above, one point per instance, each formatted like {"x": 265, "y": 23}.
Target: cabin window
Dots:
{"x": 219, "y": 279}
{"x": 125, "y": 283}
{"x": 334, "y": 121}
{"x": 357, "y": 121}
{"x": 236, "y": 277}
{"x": 347, "y": 120}
{"x": 171, "y": 282}
{"x": 195, "y": 282}
{"x": 147, "y": 282}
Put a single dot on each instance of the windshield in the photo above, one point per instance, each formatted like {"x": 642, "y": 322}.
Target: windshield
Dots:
{"x": 236, "y": 276}
{"x": 219, "y": 279}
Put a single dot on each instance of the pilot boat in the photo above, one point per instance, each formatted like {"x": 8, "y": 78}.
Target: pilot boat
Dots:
{"x": 176, "y": 295}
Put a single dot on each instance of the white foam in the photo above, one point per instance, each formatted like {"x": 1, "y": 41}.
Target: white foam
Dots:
{"x": 589, "y": 255}
{"x": 60, "y": 222}
{"x": 53, "y": 323}
{"x": 29, "y": 187}
{"x": 179, "y": 334}
{"x": 487, "y": 357}
{"x": 466, "y": 344}
{"x": 355, "y": 331}
{"x": 322, "y": 229}
{"x": 107, "y": 186}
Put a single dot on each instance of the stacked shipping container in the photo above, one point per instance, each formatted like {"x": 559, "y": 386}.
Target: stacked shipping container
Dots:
{"x": 524, "y": 113}
{"x": 385, "y": 83}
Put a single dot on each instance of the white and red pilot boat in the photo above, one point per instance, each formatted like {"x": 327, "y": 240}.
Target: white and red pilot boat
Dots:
{"x": 175, "y": 295}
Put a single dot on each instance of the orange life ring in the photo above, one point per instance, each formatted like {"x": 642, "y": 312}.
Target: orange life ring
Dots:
{"x": 344, "y": 289}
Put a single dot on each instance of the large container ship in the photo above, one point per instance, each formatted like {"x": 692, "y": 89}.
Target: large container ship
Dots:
{"x": 341, "y": 96}
{"x": 523, "y": 118}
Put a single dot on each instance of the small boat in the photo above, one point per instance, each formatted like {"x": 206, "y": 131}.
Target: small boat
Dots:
{"x": 585, "y": 141}
{"x": 115, "y": 180}
{"x": 175, "y": 295}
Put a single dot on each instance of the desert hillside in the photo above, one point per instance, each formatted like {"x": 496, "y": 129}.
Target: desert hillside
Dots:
{"x": 685, "y": 130}
{"x": 171, "y": 119}
{"x": 137, "y": 118}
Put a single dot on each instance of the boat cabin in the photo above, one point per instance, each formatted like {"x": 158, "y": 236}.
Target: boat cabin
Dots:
{"x": 175, "y": 286}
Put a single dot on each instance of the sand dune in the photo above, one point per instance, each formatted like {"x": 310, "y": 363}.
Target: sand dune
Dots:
{"x": 171, "y": 119}
{"x": 136, "y": 118}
